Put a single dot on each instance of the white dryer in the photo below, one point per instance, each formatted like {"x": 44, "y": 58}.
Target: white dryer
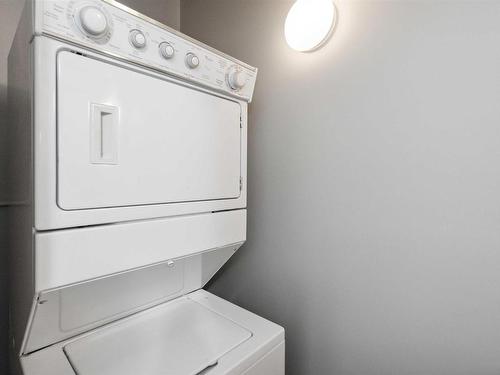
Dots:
{"x": 128, "y": 179}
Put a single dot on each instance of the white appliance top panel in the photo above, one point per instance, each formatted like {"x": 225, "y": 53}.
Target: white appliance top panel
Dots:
{"x": 127, "y": 138}
{"x": 180, "y": 337}
{"x": 112, "y": 28}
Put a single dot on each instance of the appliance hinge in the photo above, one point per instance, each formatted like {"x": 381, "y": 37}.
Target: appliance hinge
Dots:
{"x": 241, "y": 183}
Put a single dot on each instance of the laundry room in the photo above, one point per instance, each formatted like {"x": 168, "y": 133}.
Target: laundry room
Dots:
{"x": 258, "y": 187}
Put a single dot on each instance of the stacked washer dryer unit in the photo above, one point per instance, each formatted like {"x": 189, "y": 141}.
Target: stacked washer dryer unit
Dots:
{"x": 128, "y": 170}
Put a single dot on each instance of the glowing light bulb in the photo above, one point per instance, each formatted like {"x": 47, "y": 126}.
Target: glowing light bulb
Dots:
{"x": 309, "y": 24}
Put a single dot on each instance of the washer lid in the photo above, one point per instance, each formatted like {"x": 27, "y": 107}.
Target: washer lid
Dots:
{"x": 180, "y": 337}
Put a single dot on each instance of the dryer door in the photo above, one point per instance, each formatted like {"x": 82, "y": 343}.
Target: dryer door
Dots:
{"x": 126, "y": 138}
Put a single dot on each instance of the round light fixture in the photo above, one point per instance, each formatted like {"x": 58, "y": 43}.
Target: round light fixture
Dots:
{"x": 309, "y": 24}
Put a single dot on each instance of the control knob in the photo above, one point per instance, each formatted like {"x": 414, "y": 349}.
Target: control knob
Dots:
{"x": 137, "y": 39}
{"x": 166, "y": 50}
{"x": 236, "y": 79}
{"x": 93, "y": 21}
{"x": 192, "y": 61}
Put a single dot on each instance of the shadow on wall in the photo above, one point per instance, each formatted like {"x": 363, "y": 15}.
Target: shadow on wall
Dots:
{"x": 373, "y": 181}
{"x": 164, "y": 11}
{"x": 4, "y": 306}
{"x": 10, "y": 11}
{"x": 4, "y": 291}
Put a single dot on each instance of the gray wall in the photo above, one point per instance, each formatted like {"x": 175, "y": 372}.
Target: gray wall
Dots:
{"x": 374, "y": 184}
{"x": 10, "y": 11}
{"x": 166, "y": 11}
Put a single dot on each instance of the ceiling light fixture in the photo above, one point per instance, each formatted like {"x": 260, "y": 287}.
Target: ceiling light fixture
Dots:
{"x": 309, "y": 24}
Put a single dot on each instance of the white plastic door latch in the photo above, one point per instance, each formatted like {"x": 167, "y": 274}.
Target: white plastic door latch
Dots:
{"x": 104, "y": 120}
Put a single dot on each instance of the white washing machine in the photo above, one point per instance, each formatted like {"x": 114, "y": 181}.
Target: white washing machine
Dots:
{"x": 128, "y": 186}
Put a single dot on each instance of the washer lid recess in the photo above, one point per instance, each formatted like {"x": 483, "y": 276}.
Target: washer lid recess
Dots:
{"x": 180, "y": 337}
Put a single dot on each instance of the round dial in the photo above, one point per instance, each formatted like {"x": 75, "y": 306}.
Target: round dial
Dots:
{"x": 192, "y": 61}
{"x": 236, "y": 79}
{"x": 93, "y": 20}
{"x": 137, "y": 39}
{"x": 166, "y": 50}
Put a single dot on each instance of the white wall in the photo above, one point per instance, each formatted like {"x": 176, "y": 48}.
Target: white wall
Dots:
{"x": 374, "y": 184}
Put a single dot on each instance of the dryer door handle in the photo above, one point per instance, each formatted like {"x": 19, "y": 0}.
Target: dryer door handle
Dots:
{"x": 104, "y": 120}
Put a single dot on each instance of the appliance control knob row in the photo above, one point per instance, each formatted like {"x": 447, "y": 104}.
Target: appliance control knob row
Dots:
{"x": 93, "y": 21}
{"x": 236, "y": 79}
{"x": 192, "y": 61}
{"x": 137, "y": 39}
{"x": 166, "y": 50}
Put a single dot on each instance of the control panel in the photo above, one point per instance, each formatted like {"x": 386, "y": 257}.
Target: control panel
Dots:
{"x": 110, "y": 28}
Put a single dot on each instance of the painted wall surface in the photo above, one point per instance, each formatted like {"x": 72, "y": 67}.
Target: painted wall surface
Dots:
{"x": 10, "y": 11}
{"x": 374, "y": 180}
{"x": 166, "y": 11}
